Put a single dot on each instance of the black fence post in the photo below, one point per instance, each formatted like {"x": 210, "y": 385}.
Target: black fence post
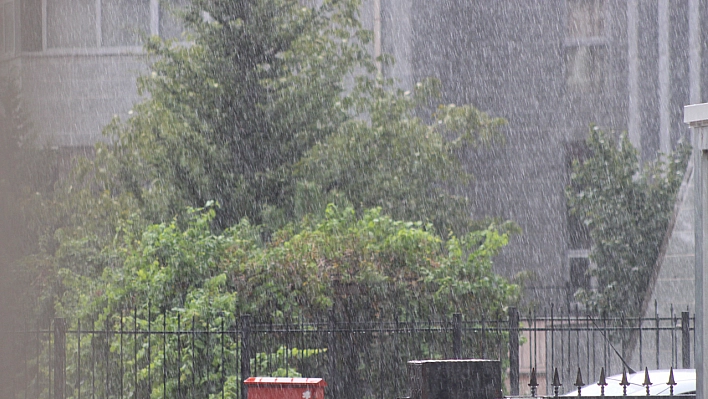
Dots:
{"x": 514, "y": 351}
{"x": 245, "y": 353}
{"x": 332, "y": 352}
{"x": 59, "y": 358}
{"x": 685, "y": 341}
{"x": 456, "y": 335}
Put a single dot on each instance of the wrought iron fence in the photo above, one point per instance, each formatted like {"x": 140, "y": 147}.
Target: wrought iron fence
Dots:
{"x": 189, "y": 358}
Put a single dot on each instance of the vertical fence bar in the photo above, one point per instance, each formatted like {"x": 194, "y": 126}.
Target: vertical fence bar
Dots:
{"x": 245, "y": 353}
{"x": 149, "y": 344}
{"x": 594, "y": 352}
{"x": 207, "y": 343}
{"x": 25, "y": 347}
{"x": 484, "y": 335}
{"x": 641, "y": 325}
{"x": 553, "y": 350}
{"x": 78, "y": 357}
{"x": 456, "y": 335}
{"x": 179, "y": 356}
{"x": 587, "y": 345}
{"x": 107, "y": 354}
{"x": 135, "y": 351}
{"x": 623, "y": 338}
{"x": 93, "y": 358}
{"x": 59, "y": 358}
{"x": 656, "y": 320}
{"x": 514, "y": 351}
{"x": 331, "y": 344}
{"x": 531, "y": 355}
{"x": 121, "y": 355}
{"x": 164, "y": 353}
{"x": 685, "y": 341}
{"x": 50, "y": 358}
{"x": 194, "y": 371}
{"x": 674, "y": 340}
{"x": 223, "y": 343}
{"x": 605, "y": 344}
{"x": 569, "y": 347}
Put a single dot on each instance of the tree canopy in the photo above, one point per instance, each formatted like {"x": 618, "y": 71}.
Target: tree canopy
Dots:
{"x": 271, "y": 100}
{"x": 272, "y": 110}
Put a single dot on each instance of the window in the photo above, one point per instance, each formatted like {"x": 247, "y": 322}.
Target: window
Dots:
{"x": 585, "y": 19}
{"x": 31, "y": 35}
{"x": 93, "y": 24}
{"x": 123, "y": 22}
{"x": 579, "y": 278}
{"x": 585, "y": 45}
{"x": 71, "y": 23}
{"x": 583, "y": 68}
{"x": 7, "y": 28}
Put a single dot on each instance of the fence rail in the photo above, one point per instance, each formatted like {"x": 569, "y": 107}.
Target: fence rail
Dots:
{"x": 166, "y": 356}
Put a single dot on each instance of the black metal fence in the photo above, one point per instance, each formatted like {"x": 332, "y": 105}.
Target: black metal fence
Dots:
{"x": 359, "y": 359}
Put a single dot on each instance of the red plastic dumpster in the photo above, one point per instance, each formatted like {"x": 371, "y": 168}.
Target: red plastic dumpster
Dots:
{"x": 285, "y": 388}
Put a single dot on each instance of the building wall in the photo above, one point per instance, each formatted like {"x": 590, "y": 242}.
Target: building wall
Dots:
{"x": 78, "y": 60}
{"x": 551, "y": 68}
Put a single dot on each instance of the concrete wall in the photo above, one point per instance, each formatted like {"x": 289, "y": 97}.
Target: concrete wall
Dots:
{"x": 72, "y": 97}
{"x": 514, "y": 59}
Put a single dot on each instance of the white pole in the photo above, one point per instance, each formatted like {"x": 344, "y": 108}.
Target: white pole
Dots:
{"x": 697, "y": 117}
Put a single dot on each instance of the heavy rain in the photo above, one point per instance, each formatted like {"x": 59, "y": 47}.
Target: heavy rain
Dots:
{"x": 350, "y": 198}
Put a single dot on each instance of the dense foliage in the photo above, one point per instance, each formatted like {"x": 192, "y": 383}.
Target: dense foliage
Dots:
{"x": 399, "y": 267}
{"x": 627, "y": 211}
{"x": 364, "y": 268}
{"x": 272, "y": 110}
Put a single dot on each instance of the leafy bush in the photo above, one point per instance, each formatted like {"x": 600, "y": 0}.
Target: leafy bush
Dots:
{"x": 627, "y": 211}
{"x": 362, "y": 268}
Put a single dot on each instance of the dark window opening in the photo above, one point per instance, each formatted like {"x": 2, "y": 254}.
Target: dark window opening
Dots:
{"x": 579, "y": 278}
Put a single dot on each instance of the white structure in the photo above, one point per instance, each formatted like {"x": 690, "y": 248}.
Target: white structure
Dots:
{"x": 697, "y": 117}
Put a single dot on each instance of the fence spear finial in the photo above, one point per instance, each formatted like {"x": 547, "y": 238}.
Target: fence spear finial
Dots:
{"x": 579, "y": 381}
{"x": 671, "y": 382}
{"x": 624, "y": 382}
{"x": 533, "y": 383}
{"x": 603, "y": 382}
{"x": 647, "y": 381}
{"x": 556, "y": 382}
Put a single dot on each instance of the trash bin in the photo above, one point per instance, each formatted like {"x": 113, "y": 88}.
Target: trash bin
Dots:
{"x": 285, "y": 388}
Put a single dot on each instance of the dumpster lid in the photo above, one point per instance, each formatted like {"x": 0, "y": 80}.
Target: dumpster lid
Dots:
{"x": 318, "y": 382}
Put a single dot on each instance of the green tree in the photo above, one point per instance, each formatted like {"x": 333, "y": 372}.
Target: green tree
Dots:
{"x": 274, "y": 110}
{"x": 366, "y": 267}
{"x": 627, "y": 211}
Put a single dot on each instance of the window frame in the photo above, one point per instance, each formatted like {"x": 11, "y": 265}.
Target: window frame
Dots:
{"x": 8, "y": 44}
{"x": 598, "y": 43}
{"x": 99, "y": 49}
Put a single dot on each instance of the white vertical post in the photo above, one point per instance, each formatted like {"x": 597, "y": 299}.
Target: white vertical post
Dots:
{"x": 633, "y": 122}
{"x": 694, "y": 50}
{"x": 664, "y": 78}
{"x": 154, "y": 17}
{"x": 99, "y": 22}
{"x": 697, "y": 117}
{"x": 377, "y": 34}
{"x": 44, "y": 25}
